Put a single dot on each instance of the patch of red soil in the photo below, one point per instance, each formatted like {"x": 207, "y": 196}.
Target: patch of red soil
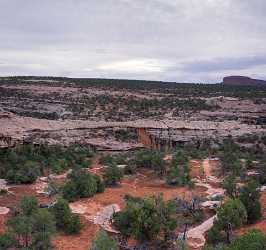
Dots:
{"x": 195, "y": 169}
{"x": 11, "y": 199}
{"x": 144, "y": 184}
{"x": 81, "y": 241}
{"x": 17, "y": 192}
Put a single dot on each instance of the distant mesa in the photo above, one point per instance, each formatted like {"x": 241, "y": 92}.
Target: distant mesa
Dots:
{"x": 242, "y": 81}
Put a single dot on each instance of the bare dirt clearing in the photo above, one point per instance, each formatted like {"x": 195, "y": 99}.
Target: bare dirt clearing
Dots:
{"x": 81, "y": 241}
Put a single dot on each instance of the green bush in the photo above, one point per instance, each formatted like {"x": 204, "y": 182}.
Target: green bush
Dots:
{"x": 27, "y": 173}
{"x": 7, "y": 241}
{"x": 214, "y": 235}
{"x": 99, "y": 183}
{"x": 229, "y": 184}
{"x": 179, "y": 170}
{"x": 43, "y": 227}
{"x": 73, "y": 225}
{"x": 262, "y": 172}
{"x": 250, "y": 197}
{"x": 253, "y": 240}
{"x": 107, "y": 160}
{"x": 66, "y": 221}
{"x": 24, "y": 163}
{"x": 150, "y": 159}
{"x": 81, "y": 184}
{"x": 230, "y": 155}
{"x": 231, "y": 215}
{"x": 104, "y": 242}
{"x": 28, "y": 205}
{"x": 32, "y": 227}
{"x": 112, "y": 175}
{"x": 146, "y": 219}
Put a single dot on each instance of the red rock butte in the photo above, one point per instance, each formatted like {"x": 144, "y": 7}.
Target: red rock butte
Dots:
{"x": 243, "y": 81}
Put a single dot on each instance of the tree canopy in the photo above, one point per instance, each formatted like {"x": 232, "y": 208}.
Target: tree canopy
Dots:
{"x": 147, "y": 218}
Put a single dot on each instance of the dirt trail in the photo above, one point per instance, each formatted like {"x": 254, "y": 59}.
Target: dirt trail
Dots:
{"x": 210, "y": 182}
{"x": 196, "y": 236}
{"x": 207, "y": 168}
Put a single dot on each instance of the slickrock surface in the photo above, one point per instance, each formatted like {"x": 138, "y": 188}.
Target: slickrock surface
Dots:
{"x": 196, "y": 237}
{"x": 15, "y": 128}
{"x": 4, "y": 210}
{"x": 103, "y": 218}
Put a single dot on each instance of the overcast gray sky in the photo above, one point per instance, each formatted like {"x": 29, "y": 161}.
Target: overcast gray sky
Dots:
{"x": 173, "y": 40}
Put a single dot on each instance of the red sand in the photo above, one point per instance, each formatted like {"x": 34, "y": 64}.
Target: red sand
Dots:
{"x": 81, "y": 241}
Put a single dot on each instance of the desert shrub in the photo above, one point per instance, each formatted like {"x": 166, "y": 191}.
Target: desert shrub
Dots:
{"x": 27, "y": 173}
{"x": 150, "y": 159}
{"x": 219, "y": 246}
{"x": 112, "y": 175}
{"x": 7, "y": 241}
{"x": 231, "y": 215}
{"x": 146, "y": 219}
{"x": 179, "y": 170}
{"x": 104, "y": 242}
{"x": 81, "y": 184}
{"x": 43, "y": 229}
{"x": 66, "y": 221}
{"x": 118, "y": 159}
{"x": 250, "y": 197}
{"x": 74, "y": 225}
{"x": 253, "y": 240}
{"x": 262, "y": 172}
{"x": 28, "y": 205}
{"x": 31, "y": 226}
{"x": 248, "y": 138}
{"x": 130, "y": 169}
{"x": 24, "y": 163}
{"x": 158, "y": 164}
{"x": 214, "y": 235}
{"x": 229, "y": 184}
{"x": 181, "y": 244}
{"x": 231, "y": 162}
{"x": 196, "y": 153}
{"x": 230, "y": 155}
{"x": 107, "y": 160}
{"x": 99, "y": 183}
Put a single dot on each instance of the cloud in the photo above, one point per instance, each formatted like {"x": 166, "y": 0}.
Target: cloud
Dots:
{"x": 221, "y": 64}
{"x": 135, "y": 66}
{"x": 180, "y": 40}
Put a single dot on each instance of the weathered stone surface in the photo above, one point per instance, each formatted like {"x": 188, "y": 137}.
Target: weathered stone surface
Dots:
{"x": 22, "y": 129}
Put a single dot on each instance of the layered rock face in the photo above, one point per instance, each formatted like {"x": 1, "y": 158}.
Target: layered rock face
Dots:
{"x": 127, "y": 117}
{"x": 243, "y": 80}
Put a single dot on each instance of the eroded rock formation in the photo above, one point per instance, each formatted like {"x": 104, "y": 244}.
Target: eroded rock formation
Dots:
{"x": 243, "y": 81}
